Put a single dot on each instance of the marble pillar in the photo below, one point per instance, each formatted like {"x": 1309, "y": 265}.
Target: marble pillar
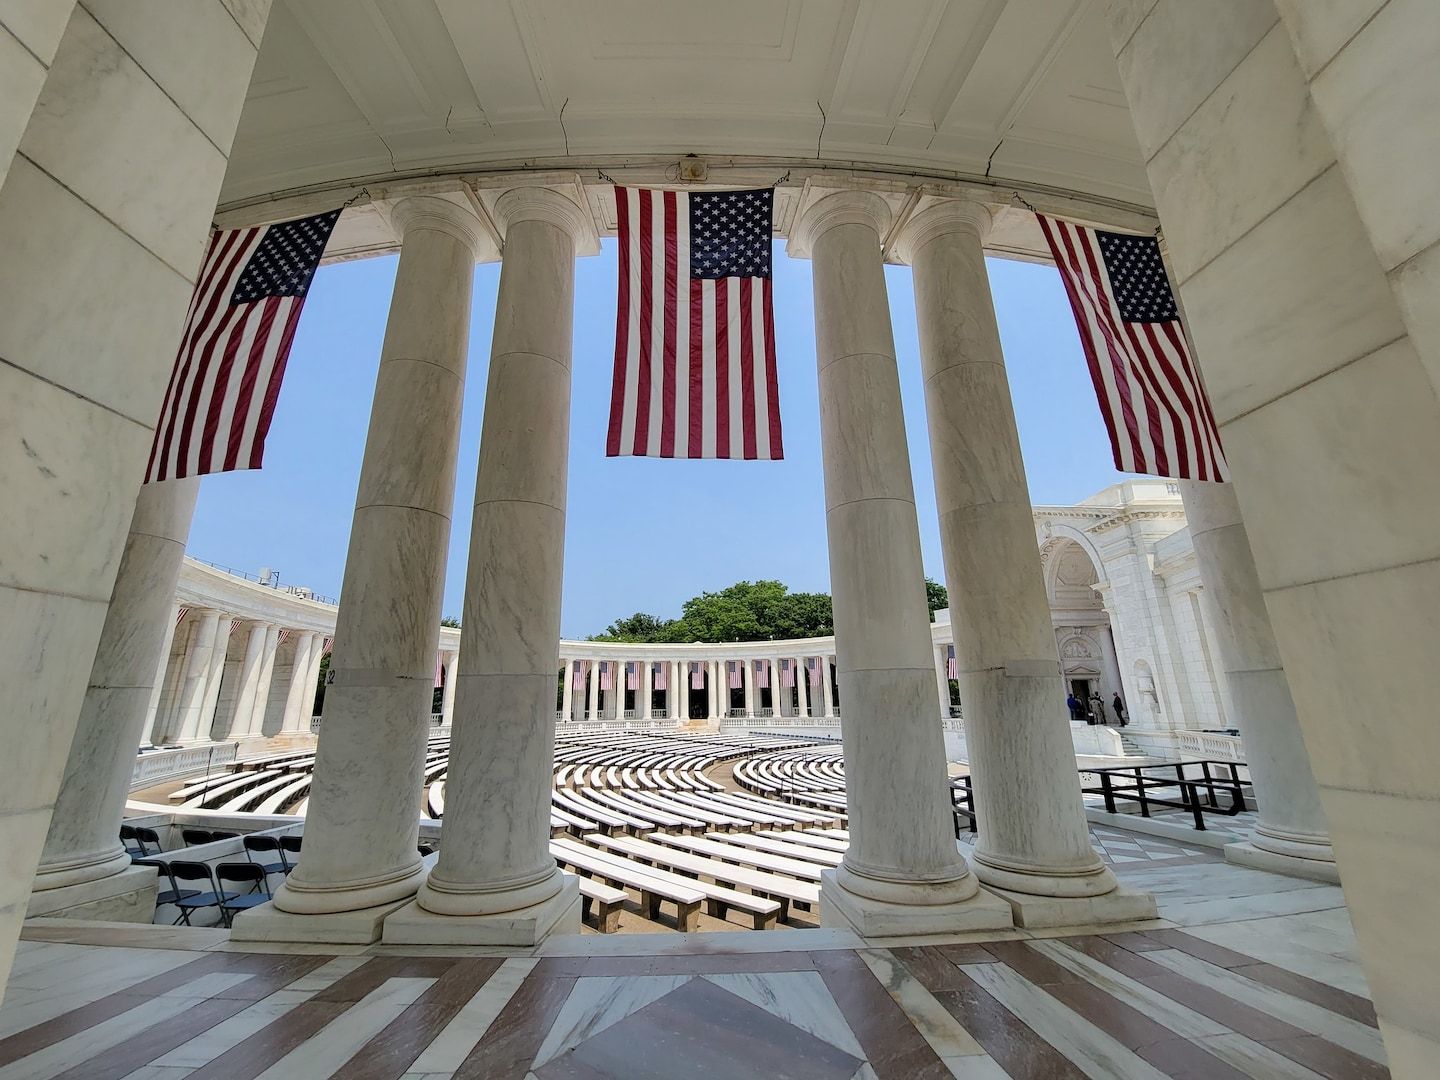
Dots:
{"x": 679, "y": 691}
{"x": 447, "y": 700}
{"x": 802, "y": 687}
{"x": 360, "y": 856}
{"x": 777, "y": 696}
{"x": 195, "y": 679}
{"x": 82, "y": 845}
{"x": 903, "y": 872}
{"x": 747, "y": 673}
{"x": 592, "y": 690}
{"x": 215, "y": 678}
{"x": 312, "y": 680}
{"x": 1034, "y": 841}
{"x": 300, "y": 695}
{"x": 250, "y": 668}
{"x": 162, "y": 670}
{"x": 567, "y": 689}
{"x": 827, "y": 704}
{"x": 1291, "y": 834}
{"x": 265, "y": 683}
{"x": 647, "y": 690}
{"x": 495, "y": 881}
{"x": 942, "y": 679}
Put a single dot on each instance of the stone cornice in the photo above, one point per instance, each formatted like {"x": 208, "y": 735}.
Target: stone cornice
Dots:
{"x": 433, "y": 213}
{"x": 838, "y": 208}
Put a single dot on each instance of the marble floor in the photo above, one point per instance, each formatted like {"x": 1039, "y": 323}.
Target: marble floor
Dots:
{"x": 1246, "y": 974}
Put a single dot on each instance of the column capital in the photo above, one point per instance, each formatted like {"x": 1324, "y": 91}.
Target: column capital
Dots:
{"x": 836, "y": 209}
{"x": 436, "y": 214}
{"x": 535, "y": 203}
{"x": 942, "y": 219}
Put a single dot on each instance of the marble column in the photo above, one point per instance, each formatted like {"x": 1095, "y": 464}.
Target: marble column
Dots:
{"x": 300, "y": 696}
{"x": 1291, "y": 833}
{"x": 748, "y": 677}
{"x": 777, "y": 700}
{"x": 495, "y": 870}
{"x": 942, "y": 679}
{"x": 647, "y": 690}
{"x": 214, "y": 678}
{"x": 81, "y": 845}
{"x": 828, "y": 709}
{"x": 360, "y": 828}
{"x": 679, "y": 691}
{"x": 802, "y": 686}
{"x": 447, "y": 699}
{"x": 162, "y": 670}
{"x": 265, "y": 683}
{"x": 195, "y": 679}
{"x": 903, "y": 872}
{"x": 1034, "y": 842}
{"x": 712, "y": 699}
{"x": 592, "y": 690}
{"x": 240, "y": 724}
{"x": 567, "y": 674}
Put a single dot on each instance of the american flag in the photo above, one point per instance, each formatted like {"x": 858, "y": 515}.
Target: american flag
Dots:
{"x": 735, "y": 673}
{"x": 1149, "y": 389}
{"x": 695, "y": 327}
{"x": 787, "y": 673}
{"x": 578, "y": 681}
{"x": 281, "y": 638}
{"x": 328, "y": 647}
{"x": 813, "y": 664}
{"x": 247, "y": 301}
{"x": 762, "y": 673}
{"x": 697, "y": 676}
{"x": 632, "y": 675}
{"x": 180, "y": 615}
{"x": 952, "y": 669}
{"x": 607, "y": 675}
{"x": 662, "y": 676}
{"x": 439, "y": 669}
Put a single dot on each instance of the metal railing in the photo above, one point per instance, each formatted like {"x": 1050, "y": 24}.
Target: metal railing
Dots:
{"x": 299, "y": 591}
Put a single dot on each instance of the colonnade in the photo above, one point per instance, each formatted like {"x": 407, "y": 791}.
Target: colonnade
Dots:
{"x": 494, "y": 881}
{"x": 742, "y": 688}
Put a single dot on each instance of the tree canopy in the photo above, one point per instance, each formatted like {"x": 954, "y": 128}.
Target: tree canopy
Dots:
{"x": 745, "y": 611}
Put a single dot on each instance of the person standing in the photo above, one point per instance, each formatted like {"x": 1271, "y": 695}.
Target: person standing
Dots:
{"x": 1075, "y": 709}
{"x": 1119, "y": 707}
{"x": 1097, "y": 706}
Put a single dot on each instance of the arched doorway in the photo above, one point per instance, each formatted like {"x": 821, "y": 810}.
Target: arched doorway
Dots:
{"x": 1083, "y": 635}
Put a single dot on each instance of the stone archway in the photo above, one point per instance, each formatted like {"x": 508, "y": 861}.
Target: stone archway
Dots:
{"x": 1084, "y": 637}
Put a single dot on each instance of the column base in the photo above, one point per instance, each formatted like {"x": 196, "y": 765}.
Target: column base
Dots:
{"x": 560, "y": 914}
{"x": 1246, "y": 853}
{"x": 269, "y": 923}
{"x": 870, "y": 918}
{"x": 128, "y": 896}
{"x": 1120, "y": 905}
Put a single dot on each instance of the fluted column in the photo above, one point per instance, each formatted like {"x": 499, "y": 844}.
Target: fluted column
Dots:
{"x": 777, "y": 703}
{"x": 249, "y": 675}
{"x": 300, "y": 696}
{"x": 195, "y": 679}
{"x": 748, "y": 677}
{"x": 81, "y": 844}
{"x": 495, "y": 869}
{"x": 567, "y": 700}
{"x": 1033, "y": 837}
{"x": 802, "y": 687}
{"x": 679, "y": 691}
{"x": 264, "y": 684}
{"x": 364, "y": 802}
{"x": 903, "y": 872}
{"x": 592, "y": 690}
{"x": 1291, "y": 833}
{"x": 647, "y": 690}
{"x": 162, "y": 670}
{"x": 942, "y": 679}
{"x": 828, "y": 703}
{"x": 447, "y": 698}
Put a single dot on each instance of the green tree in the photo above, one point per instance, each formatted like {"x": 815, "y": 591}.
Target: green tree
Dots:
{"x": 936, "y": 597}
{"x": 450, "y": 620}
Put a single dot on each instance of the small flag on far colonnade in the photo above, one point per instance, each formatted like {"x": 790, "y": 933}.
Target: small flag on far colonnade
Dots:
{"x": 762, "y": 674}
{"x": 581, "y": 668}
{"x": 735, "y": 673}
{"x": 787, "y": 673}
{"x": 632, "y": 675}
{"x": 812, "y": 663}
{"x": 607, "y": 674}
{"x": 662, "y": 676}
{"x": 180, "y": 614}
{"x": 221, "y": 396}
{"x": 695, "y": 369}
{"x": 1149, "y": 388}
{"x": 328, "y": 647}
{"x": 952, "y": 669}
{"x": 697, "y": 676}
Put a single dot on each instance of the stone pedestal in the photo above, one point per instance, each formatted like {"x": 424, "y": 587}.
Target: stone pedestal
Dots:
{"x": 1290, "y": 835}
{"x": 495, "y": 872}
{"x": 82, "y": 844}
{"x": 903, "y": 872}
{"x": 360, "y": 831}
{"x": 1034, "y": 840}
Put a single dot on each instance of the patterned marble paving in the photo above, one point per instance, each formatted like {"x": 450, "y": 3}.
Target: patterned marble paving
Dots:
{"x": 1141, "y": 1004}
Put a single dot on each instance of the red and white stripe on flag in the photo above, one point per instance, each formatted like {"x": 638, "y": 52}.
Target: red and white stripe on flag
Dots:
{"x": 735, "y": 673}
{"x": 632, "y": 675}
{"x": 762, "y": 674}
{"x": 222, "y": 392}
{"x": 787, "y": 672}
{"x": 328, "y": 647}
{"x": 695, "y": 373}
{"x": 578, "y": 679}
{"x": 813, "y": 665}
{"x": 282, "y": 637}
{"x": 439, "y": 669}
{"x": 1148, "y": 386}
{"x": 180, "y": 615}
{"x": 952, "y": 669}
{"x": 662, "y": 676}
{"x": 697, "y": 676}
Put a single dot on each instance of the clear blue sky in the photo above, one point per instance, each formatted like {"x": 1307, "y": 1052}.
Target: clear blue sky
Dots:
{"x": 642, "y": 534}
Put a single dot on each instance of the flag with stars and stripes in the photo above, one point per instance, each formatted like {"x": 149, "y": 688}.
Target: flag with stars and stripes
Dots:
{"x": 221, "y": 396}
{"x": 632, "y": 675}
{"x": 697, "y": 676}
{"x": 695, "y": 328}
{"x": 1145, "y": 378}
{"x": 952, "y": 668}
{"x": 662, "y": 676}
{"x": 762, "y": 674}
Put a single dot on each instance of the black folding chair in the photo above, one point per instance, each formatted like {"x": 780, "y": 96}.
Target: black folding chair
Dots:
{"x": 196, "y": 837}
{"x": 265, "y": 844}
{"x": 291, "y": 844}
{"x": 130, "y": 844}
{"x": 183, "y": 870}
{"x": 147, "y": 837}
{"x": 220, "y": 834}
{"x": 241, "y": 872}
{"x": 425, "y": 849}
{"x": 174, "y": 893}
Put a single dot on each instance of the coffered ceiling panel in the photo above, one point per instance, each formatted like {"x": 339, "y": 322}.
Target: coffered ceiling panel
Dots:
{"x": 349, "y": 90}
